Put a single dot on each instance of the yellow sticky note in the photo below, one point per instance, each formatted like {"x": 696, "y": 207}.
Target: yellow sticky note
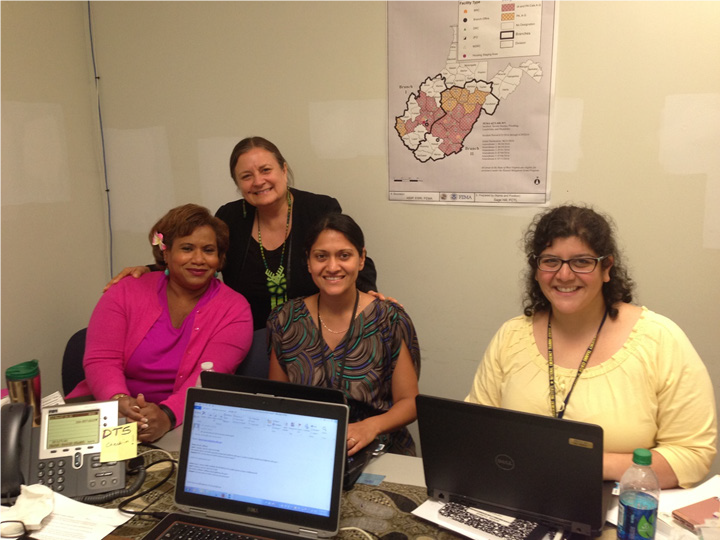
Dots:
{"x": 119, "y": 443}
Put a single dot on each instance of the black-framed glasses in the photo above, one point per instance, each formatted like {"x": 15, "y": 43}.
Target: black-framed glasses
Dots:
{"x": 579, "y": 265}
{"x": 14, "y": 528}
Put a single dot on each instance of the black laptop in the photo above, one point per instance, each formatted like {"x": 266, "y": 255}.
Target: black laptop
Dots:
{"x": 354, "y": 464}
{"x": 260, "y": 465}
{"x": 538, "y": 468}
{"x": 255, "y": 385}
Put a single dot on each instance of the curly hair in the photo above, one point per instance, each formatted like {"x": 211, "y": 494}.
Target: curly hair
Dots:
{"x": 182, "y": 221}
{"x": 596, "y": 231}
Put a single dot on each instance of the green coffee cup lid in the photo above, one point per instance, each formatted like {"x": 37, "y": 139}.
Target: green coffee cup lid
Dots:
{"x": 24, "y": 370}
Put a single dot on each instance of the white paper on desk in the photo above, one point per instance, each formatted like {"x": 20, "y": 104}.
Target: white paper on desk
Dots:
{"x": 52, "y": 400}
{"x": 73, "y": 520}
{"x": 429, "y": 511}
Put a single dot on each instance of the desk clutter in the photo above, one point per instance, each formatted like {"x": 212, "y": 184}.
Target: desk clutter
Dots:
{"x": 238, "y": 468}
{"x": 384, "y": 511}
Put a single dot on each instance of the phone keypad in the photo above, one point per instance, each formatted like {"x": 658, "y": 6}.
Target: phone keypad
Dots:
{"x": 97, "y": 478}
{"x": 51, "y": 473}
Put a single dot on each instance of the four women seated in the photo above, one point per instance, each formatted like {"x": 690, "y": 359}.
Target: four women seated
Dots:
{"x": 581, "y": 350}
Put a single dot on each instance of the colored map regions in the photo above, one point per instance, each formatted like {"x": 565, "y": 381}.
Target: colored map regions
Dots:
{"x": 439, "y": 117}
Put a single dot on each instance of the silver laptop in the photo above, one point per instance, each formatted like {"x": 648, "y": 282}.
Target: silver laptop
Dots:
{"x": 262, "y": 466}
{"x": 537, "y": 468}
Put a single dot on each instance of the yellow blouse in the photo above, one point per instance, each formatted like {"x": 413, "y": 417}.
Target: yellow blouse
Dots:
{"x": 654, "y": 393}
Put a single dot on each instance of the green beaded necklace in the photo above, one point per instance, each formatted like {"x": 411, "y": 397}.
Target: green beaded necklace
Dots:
{"x": 276, "y": 282}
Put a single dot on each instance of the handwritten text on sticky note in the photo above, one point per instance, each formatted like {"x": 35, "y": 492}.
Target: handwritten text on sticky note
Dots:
{"x": 119, "y": 443}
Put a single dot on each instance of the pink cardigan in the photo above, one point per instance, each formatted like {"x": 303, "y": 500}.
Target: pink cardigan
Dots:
{"x": 222, "y": 334}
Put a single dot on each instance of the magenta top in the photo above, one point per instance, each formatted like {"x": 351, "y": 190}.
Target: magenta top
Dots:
{"x": 220, "y": 332}
{"x": 152, "y": 368}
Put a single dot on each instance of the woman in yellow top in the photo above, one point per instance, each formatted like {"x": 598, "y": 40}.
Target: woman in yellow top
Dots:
{"x": 583, "y": 352}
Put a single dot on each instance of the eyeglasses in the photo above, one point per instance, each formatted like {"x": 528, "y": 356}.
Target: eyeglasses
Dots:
{"x": 579, "y": 265}
{"x": 14, "y": 529}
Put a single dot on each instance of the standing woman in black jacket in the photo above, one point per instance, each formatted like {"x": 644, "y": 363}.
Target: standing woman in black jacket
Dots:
{"x": 266, "y": 262}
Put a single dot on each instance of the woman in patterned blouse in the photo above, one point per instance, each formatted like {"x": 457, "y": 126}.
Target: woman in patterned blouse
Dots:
{"x": 346, "y": 339}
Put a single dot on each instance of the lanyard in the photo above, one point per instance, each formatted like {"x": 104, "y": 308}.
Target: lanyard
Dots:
{"x": 581, "y": 368}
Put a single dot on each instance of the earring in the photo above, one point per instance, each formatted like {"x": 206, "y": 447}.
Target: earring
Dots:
{"x": 217, "y": 274}
{"x": 167, "y": 272}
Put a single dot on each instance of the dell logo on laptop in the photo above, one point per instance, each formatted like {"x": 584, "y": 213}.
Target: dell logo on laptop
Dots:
{"x": 504, "y": 462}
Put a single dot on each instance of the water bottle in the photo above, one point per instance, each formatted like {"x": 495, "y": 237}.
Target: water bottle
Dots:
{"x": 639, "y": 497}
{"x": 205, "y": 366}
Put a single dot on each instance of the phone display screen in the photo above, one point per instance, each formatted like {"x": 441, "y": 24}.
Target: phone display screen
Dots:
{"x": 68, "y": 429}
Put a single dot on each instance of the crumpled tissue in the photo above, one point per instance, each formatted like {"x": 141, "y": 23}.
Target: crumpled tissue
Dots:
{"x": 34, "y": 504}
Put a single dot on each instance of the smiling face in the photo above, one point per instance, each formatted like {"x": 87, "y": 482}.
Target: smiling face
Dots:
{"x": 192, "y": 260}
{"x": 334, "y": 263}
{"x": 261, "y": 179}
{"x": 568, "y": 292}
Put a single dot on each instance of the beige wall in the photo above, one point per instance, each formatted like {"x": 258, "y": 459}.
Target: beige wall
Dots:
{"x": 636, "y": 128}
{"x": 54, "y": 239}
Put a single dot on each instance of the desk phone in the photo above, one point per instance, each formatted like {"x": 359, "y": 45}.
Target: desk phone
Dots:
{"x": 63, "y": 453}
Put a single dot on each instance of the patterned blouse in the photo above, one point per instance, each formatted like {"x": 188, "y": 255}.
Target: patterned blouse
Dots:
{"x": 361, "y": 366}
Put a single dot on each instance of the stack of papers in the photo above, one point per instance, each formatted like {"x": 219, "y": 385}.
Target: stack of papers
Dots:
{"x": 73, "y": 520}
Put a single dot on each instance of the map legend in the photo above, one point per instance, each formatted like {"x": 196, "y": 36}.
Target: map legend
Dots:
{"x": 498, "y": 29}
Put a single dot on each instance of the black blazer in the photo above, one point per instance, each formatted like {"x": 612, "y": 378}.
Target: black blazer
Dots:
{"x": 307, "y": 209}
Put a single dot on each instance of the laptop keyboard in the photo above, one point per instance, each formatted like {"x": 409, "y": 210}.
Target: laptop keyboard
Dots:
{"x": 186, "y": 531}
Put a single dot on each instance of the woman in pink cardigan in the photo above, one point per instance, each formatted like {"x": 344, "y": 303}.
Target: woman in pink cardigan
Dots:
{"x": 148, "y": 337}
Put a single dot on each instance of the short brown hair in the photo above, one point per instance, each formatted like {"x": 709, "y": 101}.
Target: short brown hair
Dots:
{"x": 248, "y": 144}
{"x": 182, "y": 221}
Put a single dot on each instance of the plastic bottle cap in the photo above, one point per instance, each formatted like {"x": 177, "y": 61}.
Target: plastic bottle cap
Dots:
{"x": 25, "y": 370}
{"x": 207, "y": 366}
{"x": 641, "y": 456}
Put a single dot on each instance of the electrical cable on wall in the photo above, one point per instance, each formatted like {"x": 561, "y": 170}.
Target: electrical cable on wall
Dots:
{"x": 102, "y": 137}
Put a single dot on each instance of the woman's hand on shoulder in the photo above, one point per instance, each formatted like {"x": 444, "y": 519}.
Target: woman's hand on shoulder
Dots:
{"x": 380, "y": 296}
{"x": 134, "y": 271}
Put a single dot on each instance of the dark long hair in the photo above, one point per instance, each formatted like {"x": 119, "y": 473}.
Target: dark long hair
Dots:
{"x": 596, "y": 231}
{"x": 341, "y": 223}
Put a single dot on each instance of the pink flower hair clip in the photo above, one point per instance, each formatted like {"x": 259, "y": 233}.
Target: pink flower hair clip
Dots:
{"x": 158, "y": 241}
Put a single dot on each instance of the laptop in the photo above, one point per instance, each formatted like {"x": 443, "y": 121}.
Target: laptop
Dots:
{"x": 354, "y": 465}
{"x": 259, "y": 465}
{"x": 255, "y": 385}
{"x": 537, "y": 468}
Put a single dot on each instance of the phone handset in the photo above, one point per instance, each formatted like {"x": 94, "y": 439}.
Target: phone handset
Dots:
{"x": 16, "y": 447}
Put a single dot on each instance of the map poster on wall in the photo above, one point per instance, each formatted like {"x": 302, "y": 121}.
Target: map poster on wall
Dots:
{"x": 469, "y": 88}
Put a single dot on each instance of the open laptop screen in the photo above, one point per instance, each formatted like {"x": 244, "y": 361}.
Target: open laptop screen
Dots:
{"x": 263, "y": 458}
{"x": 536, "y": 467}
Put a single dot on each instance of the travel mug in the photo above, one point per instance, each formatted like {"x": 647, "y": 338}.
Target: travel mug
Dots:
{"x": 23, "y": 384}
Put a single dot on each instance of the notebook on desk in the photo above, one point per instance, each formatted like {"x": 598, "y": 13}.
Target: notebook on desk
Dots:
{"x": 538, "y": 468}
{"x": 259, "y": 465}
